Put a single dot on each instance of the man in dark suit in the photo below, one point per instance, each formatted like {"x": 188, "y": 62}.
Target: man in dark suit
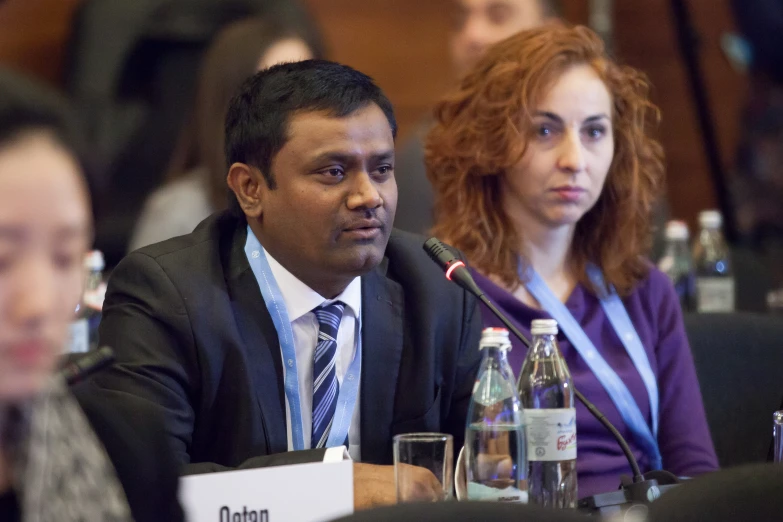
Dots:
{"x": 297, "y": 320}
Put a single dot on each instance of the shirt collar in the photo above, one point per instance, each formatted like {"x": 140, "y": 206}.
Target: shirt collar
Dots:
{"x": 300, "y": 299}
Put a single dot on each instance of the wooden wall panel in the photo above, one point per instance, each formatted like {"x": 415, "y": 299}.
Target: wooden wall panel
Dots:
{"x": 402, "y": 44}
{"x": 645, "y": 38}
{"x": 33, "y": 35}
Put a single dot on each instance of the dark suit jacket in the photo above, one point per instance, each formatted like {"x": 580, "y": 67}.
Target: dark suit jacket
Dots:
{"x": 193, "y": 337}
{"x": 131, "y": 434}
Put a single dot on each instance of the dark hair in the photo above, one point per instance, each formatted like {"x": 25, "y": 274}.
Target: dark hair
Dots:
{"x": 27, "y": 106}
{"x": 257, "y": 119}
{"x": 232, "y": 57}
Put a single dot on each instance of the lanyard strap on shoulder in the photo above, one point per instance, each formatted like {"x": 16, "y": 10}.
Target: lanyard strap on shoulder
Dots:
{"x": 623, "y": 326}
{"x": 608, "y": 378}
{"x": 273, "y": 298}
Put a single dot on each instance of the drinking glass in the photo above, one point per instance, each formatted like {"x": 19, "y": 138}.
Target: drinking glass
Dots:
{"x": 777, "y": 419}
{"x": 423, "y": 467}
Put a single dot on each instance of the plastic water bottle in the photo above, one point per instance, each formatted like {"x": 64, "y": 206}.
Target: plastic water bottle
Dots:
{"x": 714, "y": 278}
{"x": 677, "y": 264}
{"x": 83, "y": 334}
{"x": 495, "y": 446}
{"x": 547, "y": 395}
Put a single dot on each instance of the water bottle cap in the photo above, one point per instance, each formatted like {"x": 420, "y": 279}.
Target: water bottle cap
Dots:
{"x": 710, "y": 219}
{"x": 543, "y": 327}
{"x": 494, "y": 337}
{"x": 676, "y": 229}
{"x": 93, "y": 260}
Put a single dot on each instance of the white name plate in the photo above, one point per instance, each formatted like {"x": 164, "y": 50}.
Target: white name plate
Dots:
{"x": 299, "y": 493}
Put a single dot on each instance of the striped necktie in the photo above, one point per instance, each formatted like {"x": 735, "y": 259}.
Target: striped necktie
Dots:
{"x": 325, "y": 385}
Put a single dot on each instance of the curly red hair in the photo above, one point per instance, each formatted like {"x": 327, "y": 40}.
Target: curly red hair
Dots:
{"x": 480, "y": 133}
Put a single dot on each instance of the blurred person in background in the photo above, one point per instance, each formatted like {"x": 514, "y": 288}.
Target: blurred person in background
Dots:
{"x": 62, "y": 457}
{"x": 477, "y": 24}
{"x": 545, "y": 176}
{"x": 196, "y": 185}
{"x": 757, "y": 188}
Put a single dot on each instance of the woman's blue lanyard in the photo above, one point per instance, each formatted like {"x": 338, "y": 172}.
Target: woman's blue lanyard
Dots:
{"x": 273, "y": 298}
{"x": 621, "y": 322}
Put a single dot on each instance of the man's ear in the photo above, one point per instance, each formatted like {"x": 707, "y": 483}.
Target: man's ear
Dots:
{"x": 248, "y": 186}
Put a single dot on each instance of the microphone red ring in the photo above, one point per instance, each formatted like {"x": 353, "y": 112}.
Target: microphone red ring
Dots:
{"x": 453, "y": 267}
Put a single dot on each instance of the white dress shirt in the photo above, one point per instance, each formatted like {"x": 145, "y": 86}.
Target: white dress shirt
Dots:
{"x": 300, "y": 300}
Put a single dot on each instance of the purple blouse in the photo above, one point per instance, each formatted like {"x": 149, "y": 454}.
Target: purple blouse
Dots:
{"x": 683, "y": 435}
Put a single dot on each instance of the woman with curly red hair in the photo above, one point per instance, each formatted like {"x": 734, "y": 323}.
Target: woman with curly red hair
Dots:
{"x": 544, "y": 175}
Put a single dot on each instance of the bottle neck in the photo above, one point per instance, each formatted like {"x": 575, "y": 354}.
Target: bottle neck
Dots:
{"x": 544, "y": 345}
{"x": 495, "y": 354}
{"x": 711, "y": 235}
{"x": 495, "y": 358}
{"x": 94, "y": 279}
{"x": 711, "y": 246}
{"x": 677, "y": 247}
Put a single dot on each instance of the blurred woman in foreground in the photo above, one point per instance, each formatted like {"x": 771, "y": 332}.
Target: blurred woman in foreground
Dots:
{"x": 544, "y": 175}
{"x": 197, "y": 180}
{"x": 62, "y": 457}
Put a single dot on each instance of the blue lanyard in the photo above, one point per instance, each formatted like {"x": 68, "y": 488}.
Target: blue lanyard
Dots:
{"x": 618, "y": 391}
{"x": 623, "y": 326}
{"x": 349, "y": 391}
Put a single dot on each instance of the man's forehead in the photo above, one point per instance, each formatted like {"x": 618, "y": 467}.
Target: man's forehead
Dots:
{"x": 318, "y": 125}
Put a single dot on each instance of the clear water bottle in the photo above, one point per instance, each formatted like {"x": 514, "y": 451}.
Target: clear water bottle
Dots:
{"x": 83, "y": 334}
{"x": 495, "y": 447}
{"x": 547, "y": 394}
{"x": 714, "y": 278}
{"x": 677, "y": 264}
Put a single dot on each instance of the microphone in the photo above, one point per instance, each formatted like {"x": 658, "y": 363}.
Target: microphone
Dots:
{"x": 640, "y": 490}
{"x": 78, "y": 370}
{"x": 455, "y": 268}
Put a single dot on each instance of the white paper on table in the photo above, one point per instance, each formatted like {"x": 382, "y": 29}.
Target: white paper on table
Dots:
{"x": 313, "y": 492}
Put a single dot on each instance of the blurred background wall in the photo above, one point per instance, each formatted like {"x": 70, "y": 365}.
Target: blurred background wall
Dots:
{"x": 402, "y": 43}
{"x": 33, "y": 35}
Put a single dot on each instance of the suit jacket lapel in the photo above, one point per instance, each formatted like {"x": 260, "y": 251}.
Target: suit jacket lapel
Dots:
{"x": 262, "y": 346}
{"x": 382, "y": 339}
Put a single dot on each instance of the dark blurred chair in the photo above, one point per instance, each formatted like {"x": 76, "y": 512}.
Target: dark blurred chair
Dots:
{"x": 465, "y": 512}
{"x": 739, "y": 362}
{"x": 131, "y": 74}
{"x": 743, "y": 494}
{"x": 752, "y": 279}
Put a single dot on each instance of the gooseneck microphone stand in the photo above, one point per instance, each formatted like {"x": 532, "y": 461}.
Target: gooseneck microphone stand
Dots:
{"x": 641, "y": 490}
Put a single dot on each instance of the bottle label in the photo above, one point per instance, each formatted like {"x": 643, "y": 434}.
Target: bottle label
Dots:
{"x": 551, "y": 434}
{"x": 78, "y": 337}
{"x": 715, "y": 294}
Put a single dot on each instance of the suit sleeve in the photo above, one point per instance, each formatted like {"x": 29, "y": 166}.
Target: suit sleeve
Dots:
{"x": 684, "y": 436}
{"x": 467, "y": 368}
{"x": 133, "y": 438}
{"x": 146, "y": 324}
